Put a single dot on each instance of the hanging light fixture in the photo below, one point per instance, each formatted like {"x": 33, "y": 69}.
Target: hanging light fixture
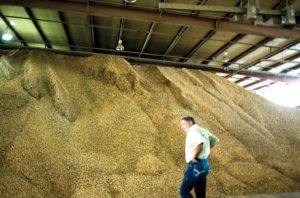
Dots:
{"x": 226, "y": 68}
{"x": 129, "y": 1}
{"x": 120, "y": 46}
{"x": 225, "y": 57}
{"x": 7, "y": 36}
{"x": 283, "y": 20}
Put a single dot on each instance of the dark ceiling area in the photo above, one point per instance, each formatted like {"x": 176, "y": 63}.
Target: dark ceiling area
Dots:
{"x": 253, "y": 43}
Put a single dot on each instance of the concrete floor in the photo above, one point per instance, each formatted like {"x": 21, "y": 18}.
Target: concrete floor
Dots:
{"x": 282, "y": 195}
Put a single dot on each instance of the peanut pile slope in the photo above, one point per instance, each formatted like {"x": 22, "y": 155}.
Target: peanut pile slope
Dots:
{"x": 98, "y": 126}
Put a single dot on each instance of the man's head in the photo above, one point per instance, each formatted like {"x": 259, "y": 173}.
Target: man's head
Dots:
{"x": 187, "y": 122}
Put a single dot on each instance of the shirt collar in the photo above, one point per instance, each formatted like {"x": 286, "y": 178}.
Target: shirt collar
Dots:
{"x": 193, "y": 127}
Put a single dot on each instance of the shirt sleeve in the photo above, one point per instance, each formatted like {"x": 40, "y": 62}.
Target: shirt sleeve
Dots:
{"x": 213, "y": 139}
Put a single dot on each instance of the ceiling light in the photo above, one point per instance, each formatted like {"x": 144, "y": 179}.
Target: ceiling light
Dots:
{"x": 129, "y": 1}
{"x": 7, "y": 36}
{"x": 120, "y": 46}
{"x": 225, "y": 57}
{"x": 226, "y": 68}
{"x": 237, "y": 17}
{"x": 283, "y": 20}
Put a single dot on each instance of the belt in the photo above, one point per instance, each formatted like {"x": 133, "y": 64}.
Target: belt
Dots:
{"x": 198, "y": 160}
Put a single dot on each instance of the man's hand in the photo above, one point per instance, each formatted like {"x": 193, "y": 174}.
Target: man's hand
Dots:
{"x": 194, "y": 160}
{"x": 196, "y": 151}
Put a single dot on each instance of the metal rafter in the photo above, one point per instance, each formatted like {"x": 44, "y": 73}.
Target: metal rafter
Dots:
{"x": 91, "y": 19}
{"x": 276, "y": 64}
{"x": 272, "y": 67}
{"x": 149, "y": 34}
{"x": 268, "y": 56}
{"x": 283, "y": 71}
{"x": 38, "y": 28}
{"x": 147, "y": 38}
{"x": 111, "y": 28}
{"x": 224, "y": 47}
{"x": 245, "y": 53}
{"x": 91, "y": 22}
{"x": 181, "y": 31}
{"x": 199, "y": 44}
{"x": 154, "y": 16}
{"x": 292, "y": 68}
{"x": 219, "y": 8}
{"x": 66, "y": 29}
{"x": 259, "y": 74}
{"x": 7, "y": 23}
{"x": 261, "y": 80}
{"x": 263, "y": 86}
{"x": 253, "y": 83}
{"x": 176, "y": 39}
{"x": 279, "y": 5}
{"x": 210, "y": 34}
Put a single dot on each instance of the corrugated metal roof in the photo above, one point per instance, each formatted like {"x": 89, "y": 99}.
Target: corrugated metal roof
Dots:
{"x": 66, "y": 30}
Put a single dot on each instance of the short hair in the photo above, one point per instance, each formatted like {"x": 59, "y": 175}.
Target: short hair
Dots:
{"x": 189, "y": 119}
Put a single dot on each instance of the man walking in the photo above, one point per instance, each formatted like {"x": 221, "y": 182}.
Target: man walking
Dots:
{"x": 199, "y": 142}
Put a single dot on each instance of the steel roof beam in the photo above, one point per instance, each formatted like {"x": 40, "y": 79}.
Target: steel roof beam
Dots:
{"x": 253, "y": 83}
{"x": 7, "y": 23}
{"x": 154, "y": 16}
{"x": 176, "y": 39}
{"x": 38, "y": 28}
{"x": 157, "y": 62}
{"x": 276, "y": 64}
{"x": 245, "y": 53}
{"x": 280, "y": 5}
{"x": 224, "y": 47}
{"x": 147, "y": 38}
{"x": 132, "y": 30}
{"x": 266, "y": 57}
{"x": 181, "y": 31}
{"x": 273, "y": 66}
{"x": 91, "y": 19}
{"x": 200, "y": 44}
{"x": 65, "y": 26}
{"x": 259, "y": 74}
{"x": 211, "y": 34}
{"x": 257, "y": 88}
{"x": 216, "y": 8}
{"x": 292, "y": 68}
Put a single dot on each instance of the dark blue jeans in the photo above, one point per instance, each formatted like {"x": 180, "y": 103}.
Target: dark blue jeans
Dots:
{"x": 195, "y": 177}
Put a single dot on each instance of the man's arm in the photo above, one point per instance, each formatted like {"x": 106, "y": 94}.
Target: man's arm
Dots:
{"x": 196, "y": 151}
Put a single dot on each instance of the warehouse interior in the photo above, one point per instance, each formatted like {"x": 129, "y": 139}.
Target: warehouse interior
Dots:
{"x": 74, "y": 72}
{"x": 227, "y": 38}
